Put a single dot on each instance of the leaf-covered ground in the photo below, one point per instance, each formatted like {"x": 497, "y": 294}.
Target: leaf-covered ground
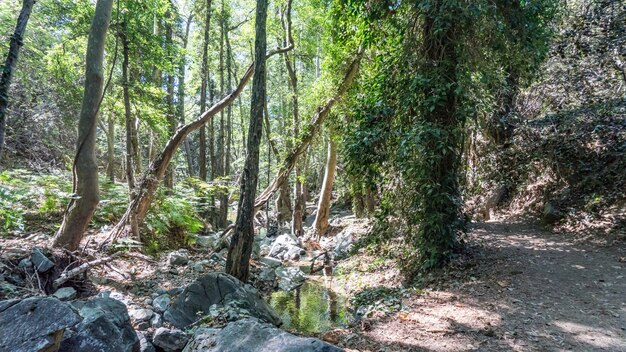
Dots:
{"x": 519, "y": 289}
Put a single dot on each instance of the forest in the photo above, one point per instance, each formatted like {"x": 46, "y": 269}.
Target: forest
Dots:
{"x": 320, "y": 175}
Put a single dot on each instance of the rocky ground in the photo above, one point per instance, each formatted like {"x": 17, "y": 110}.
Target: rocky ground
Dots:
{"x": 517, "y": 287}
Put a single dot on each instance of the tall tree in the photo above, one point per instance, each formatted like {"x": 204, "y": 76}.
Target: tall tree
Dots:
{"x": 128, "y": 118}
{"x": 222, "y": 213}
{"x": 204, "y": 72}
{"x": 17, "y": 40}
{"x": 237, "y": 262}
{"x": 323, "y": 206}
{"x": 83, "y": 204}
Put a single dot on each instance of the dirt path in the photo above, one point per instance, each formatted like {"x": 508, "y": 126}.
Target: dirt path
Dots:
{"x": 523, "y": 290}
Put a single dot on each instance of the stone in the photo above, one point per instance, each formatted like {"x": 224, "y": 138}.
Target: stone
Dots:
{"x": 144, "y": 344}
{"x": 156, "y": 321}
{"x": 140, "y": 314}
{"x": 179, "y": 257}
{"x": 40, "y": 261}
{"x": 289, "y": 278}
{"x": 161, "y": 303}
{"x": 25, "y": 264}
{"x": 198, "y": 267}
{"x": 34, "y": 324}
{"x": 65, "y": 294}
{"x": 551, "y": 214}
{"x": 220, "y": 289}
{"x": 208, "y": 241}
{"x": 170, "y": 340}
{"x": 343, "y": 244}
{"x": 282, "y": 244}
{"x": 267, "y": 274}
{"x": 271, "y": 262}
{"x": 252, "y": 335}
{"x": 105, "y": 327}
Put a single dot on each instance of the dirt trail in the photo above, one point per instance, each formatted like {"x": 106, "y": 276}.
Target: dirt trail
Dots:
{"x": 525, "y": 290}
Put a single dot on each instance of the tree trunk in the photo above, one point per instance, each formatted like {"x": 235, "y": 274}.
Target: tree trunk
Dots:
{"x": 111, "y": 148}
{"x": 169, "y": 101}
{"x": 202, "y": 158}
{"x": 17, "y": 40}
{"x": 82, "y": 207}
{"x": 130, "y": 176}
{"x": 222, "y": 213}
{"x": 238, "y": 260}
{"x": 323, "y": 206}
{"x": 181, "y": 97}
{"x": 318, "y": 119}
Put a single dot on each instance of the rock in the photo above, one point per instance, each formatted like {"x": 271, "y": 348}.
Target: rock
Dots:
{"x": 40, "y": 261}
{"x": 198, "y": 267}
{"x": 161, "y": 303}
{"x": 343, "y": 244}
{"x": 140, "y": 314}
{"x": 170, "y": 340}
{"x": 65, "y": 294}
{"x": 105, "y": 327}
{"x": 179, "y": 257}
{"x": 290, "y": 278}
{"x": 144, "y": 344}
{"x": 25, "y": 264}
{"x": 267, "y": 274}
{"x": 293, "y": 253}
{"x": 271, "y": 262}
{"x": 493, "y": 199}
{"x": 148, "y": 301}
{"x": 156, "y": 321}
{"x": 282, "y": 245}
{"x": 34, "y": 324}
{"x": 219, "y": 289}
{"x": 99, "y": 280}
{"x": 252, "y": 335}
{"x": 551, "y": 214}
{"x": 217, "y": 258}
{"x": 208, "y": 241}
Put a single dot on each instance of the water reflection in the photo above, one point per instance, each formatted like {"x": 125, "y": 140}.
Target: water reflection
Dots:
{"x": 311, "y": 308}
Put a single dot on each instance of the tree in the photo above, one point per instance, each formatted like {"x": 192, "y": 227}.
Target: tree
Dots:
{"x": 17, "y": 40}
{"x": 323, "y": 206}
{"x": 82, "y": 206}
{"x": 237, "y": 262}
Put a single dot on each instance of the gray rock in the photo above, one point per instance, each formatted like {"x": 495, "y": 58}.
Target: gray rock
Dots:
{"x": 144, "y": 344}
{"x": 140, "y": 314}
{"x": 161, "y": 303}
{"x": 208, "y": 241}
{"x": 156, "y": 321}
{"x": 170, "y": 340}
{"x": 271, "y": 262}
{"x": 105, "y": 327}
{"x": 219, "y": 289}
{"x": 551, "y": 214}
{"x": 34, "y": 324}
{"x": 290, "y": 278}
{"x": 40, "y": 261}
{"x": 343, "y": 244}
{"x": 267, "y": 274}
{"x": 65, "y": 294}
{"x": 282, "y": 244}
{"x": 293, "y": 253}
{"x": 251, "y": 335}
{"x": 198, "y": 267}
{"x": 25, "y": 264}
{"x": 179, "y": 257}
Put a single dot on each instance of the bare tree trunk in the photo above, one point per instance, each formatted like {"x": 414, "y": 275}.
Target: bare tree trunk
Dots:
{"x": 323, "y": 206}
{"x": 238, "y": 260}
{"x": 111, "y": 148}
{"x": 181, "y": 97}
{"x": 9, "y": 65}
{"x": 169, "y": 101}
{"x": 202, "y": 158}
{"x": 222, "y": 213}
{"x": 127, "y": 113}
{"x": 82, "y": 207}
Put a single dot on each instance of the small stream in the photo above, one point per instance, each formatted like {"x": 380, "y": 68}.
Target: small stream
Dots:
{"x": 311, "y": 308}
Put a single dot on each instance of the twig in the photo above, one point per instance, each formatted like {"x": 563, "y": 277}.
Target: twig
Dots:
{"x": 68, "y": 275}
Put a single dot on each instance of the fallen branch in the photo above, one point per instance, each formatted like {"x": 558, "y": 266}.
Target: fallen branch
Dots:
{"x": 81, "y": 269}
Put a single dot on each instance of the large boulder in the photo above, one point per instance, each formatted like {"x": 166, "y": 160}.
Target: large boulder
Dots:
{"x": 289, "y": 278}
{"x": 343, "y": 244}
{"x": 221, "y": 290}
{"x": 169, "y": 340}
{"x": 252, "y": 335}
{"x": 286, "y": 246}
{"x": 105, "y": 327}
{"x": 34, "y": 324}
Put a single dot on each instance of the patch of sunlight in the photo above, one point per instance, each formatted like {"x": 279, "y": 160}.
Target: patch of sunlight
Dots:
{"x": 597, "y": 337}
{"x": 578, "y": 266}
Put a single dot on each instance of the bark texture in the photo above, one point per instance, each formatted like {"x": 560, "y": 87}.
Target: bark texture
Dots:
{"x": 83, "y": 205}
{"x": 323, "y": 206}
{"x": 237, "y": 262}
{"x": 17, "y": 40}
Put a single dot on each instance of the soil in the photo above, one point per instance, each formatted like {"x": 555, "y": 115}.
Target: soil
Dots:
{"x": 522, "y": 289}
